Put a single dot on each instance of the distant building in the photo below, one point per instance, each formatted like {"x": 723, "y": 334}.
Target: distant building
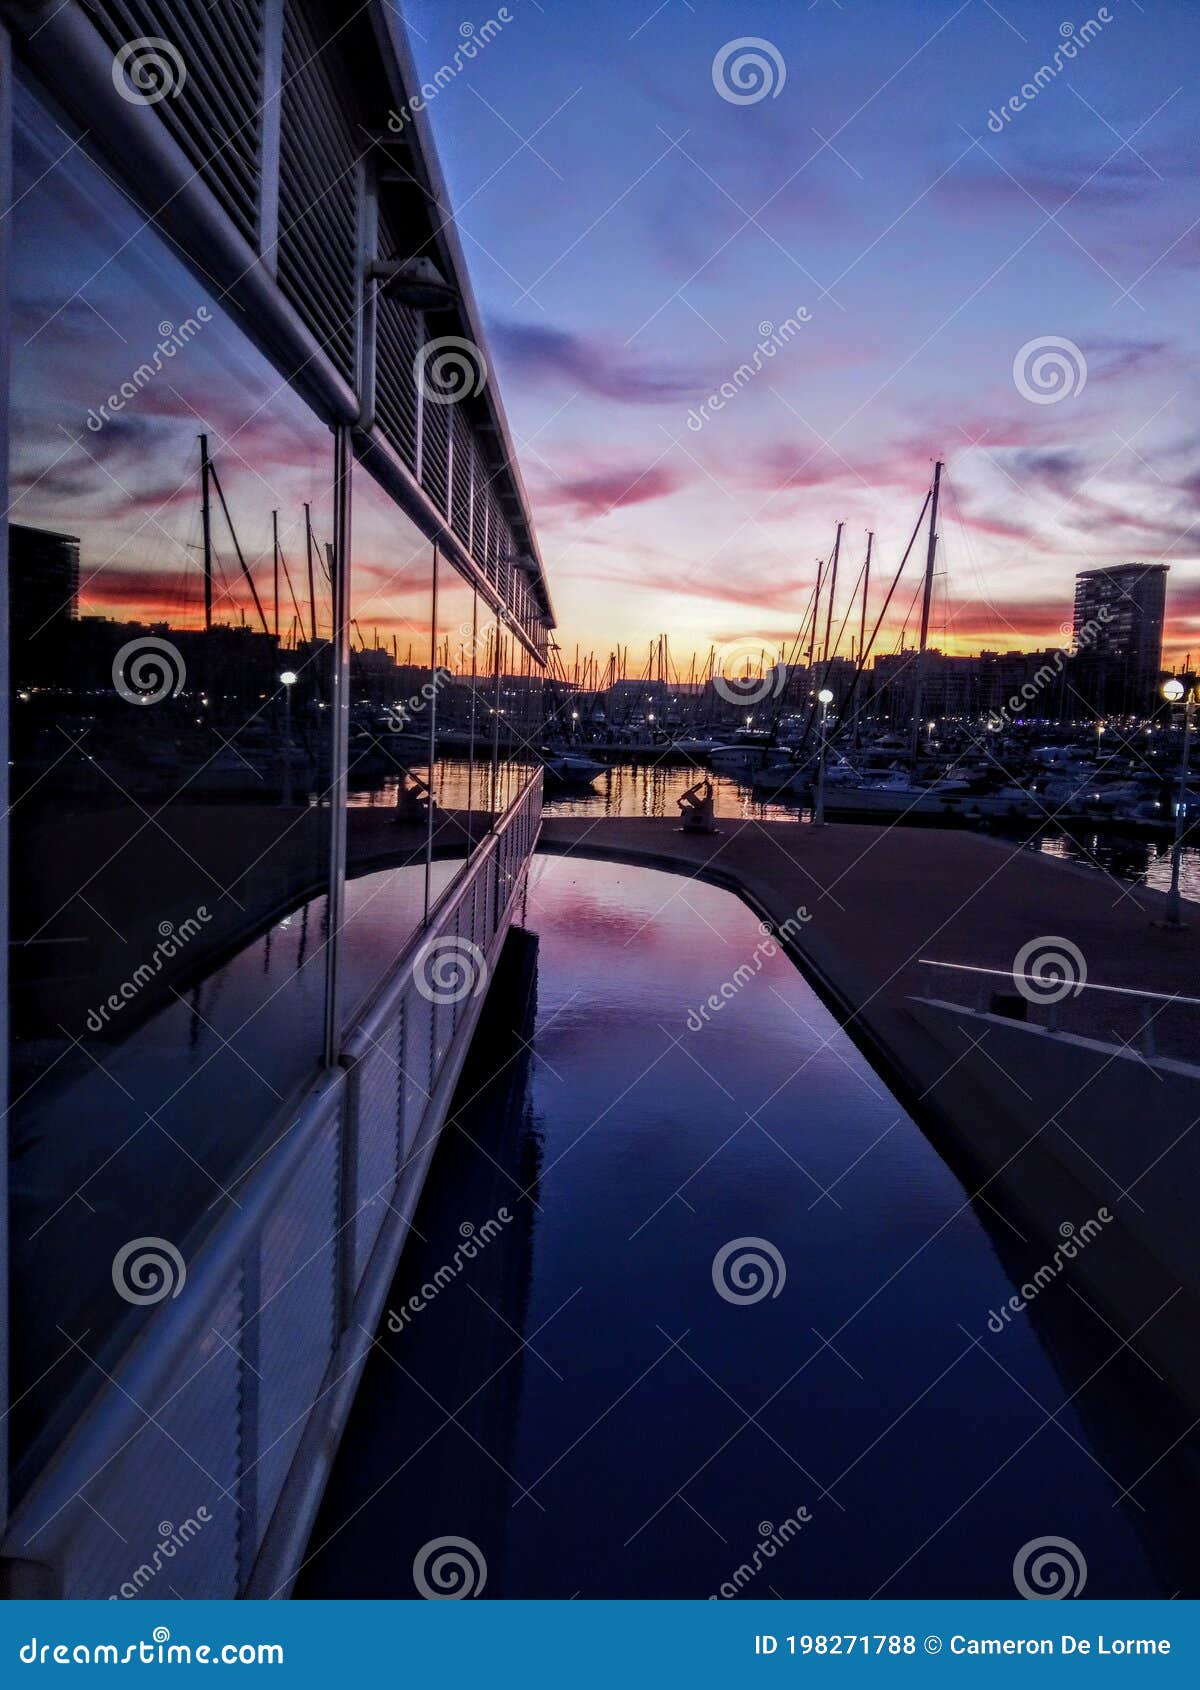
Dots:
{"x": 949, "y": 686}
{"x": 43, "y": 592}
{"x": 1117, "y": 640}
{"x": 1025, "y": 685}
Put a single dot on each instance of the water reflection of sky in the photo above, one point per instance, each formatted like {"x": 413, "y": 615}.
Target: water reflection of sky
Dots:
{"x": 622, "y": 1430}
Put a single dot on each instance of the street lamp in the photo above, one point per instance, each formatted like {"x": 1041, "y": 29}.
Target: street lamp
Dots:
{"x": 288, "y": 679}
{"x": 825, "y": 699}
{"x": 1175, "y": 691}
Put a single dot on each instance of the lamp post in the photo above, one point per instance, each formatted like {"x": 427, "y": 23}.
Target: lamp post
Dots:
{"x": 287, "y": 680}
{"x": 1175, "y": 691}
{"x": 825, "y": 699}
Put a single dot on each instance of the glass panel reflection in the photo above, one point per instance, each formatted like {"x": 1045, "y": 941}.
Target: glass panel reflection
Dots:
{"x": 461, "y": 817}
{"x": 392, "y": 698}
{"x": 171, "y": 504}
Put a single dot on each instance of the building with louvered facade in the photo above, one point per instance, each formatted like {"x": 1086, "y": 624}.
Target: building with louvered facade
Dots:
{"x": 271, "y": 751}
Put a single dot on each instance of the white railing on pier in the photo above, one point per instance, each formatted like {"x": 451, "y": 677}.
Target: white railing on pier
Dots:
{"x": 1040, "y": 993}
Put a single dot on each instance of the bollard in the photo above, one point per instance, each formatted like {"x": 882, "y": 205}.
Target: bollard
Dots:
{"x": 696, "y": 808}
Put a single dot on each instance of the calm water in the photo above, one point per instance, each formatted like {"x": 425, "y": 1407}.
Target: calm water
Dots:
{"x": 584, "y": 1407}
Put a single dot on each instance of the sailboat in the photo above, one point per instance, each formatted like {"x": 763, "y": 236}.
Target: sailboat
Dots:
{"x": 899, "y": 792}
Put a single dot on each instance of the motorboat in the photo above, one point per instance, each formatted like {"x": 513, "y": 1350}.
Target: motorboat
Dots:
{"x": 570, "y": 769}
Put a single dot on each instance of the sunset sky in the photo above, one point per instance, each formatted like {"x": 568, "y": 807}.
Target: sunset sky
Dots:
{"x": 630, "y": 232}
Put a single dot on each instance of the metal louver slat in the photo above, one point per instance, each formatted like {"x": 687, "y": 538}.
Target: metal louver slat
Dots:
{"x": 435, "y": 453}
{"x": 398, "y": 340}
{"x": 318, "y": 191}
{"x": 396, "y": 396}
{"x": 213, "y": 77}
{"x": 460, "y": 500}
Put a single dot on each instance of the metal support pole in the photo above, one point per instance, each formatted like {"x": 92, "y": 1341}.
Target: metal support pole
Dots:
{"x": 1174, "y": 916}
{"x": 339, "y": 693}
{"x": 818, "y": 819}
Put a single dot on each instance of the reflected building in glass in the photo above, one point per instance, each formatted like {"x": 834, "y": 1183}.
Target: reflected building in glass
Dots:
{"x": 277, "y": 628}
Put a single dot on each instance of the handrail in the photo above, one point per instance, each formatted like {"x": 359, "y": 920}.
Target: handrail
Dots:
{"x": 111, "y": 1419}
{"x": 157, "y": 1353}
{"x": 375, "y": 1014}
{"x": 1077, "y": 986}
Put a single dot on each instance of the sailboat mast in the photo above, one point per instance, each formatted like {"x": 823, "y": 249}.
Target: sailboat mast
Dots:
{"x": 206, "y": 523}
{"x": 926, "y": 602}
{"x": 275, "y": 556}
{"x": 312, "y": 597}
{"x": 862, "y": 632}
{"x": 833, "y": 575}
{"x": 216, "y": 481}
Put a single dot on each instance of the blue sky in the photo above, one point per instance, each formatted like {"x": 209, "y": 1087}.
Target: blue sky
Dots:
{"x": 633, "y": 234}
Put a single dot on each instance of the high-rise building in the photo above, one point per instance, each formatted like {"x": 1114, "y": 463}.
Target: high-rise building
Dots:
{"x": 43, "y": 574}
{"x": 1117, "y": 636}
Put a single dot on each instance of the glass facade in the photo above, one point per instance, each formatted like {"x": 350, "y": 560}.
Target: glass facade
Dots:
{"x": 172, "y": 600}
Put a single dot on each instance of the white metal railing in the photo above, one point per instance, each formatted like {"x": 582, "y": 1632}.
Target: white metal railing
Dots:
{"x": 1072, "y": 989}
{"x": 224, "y": 1415}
